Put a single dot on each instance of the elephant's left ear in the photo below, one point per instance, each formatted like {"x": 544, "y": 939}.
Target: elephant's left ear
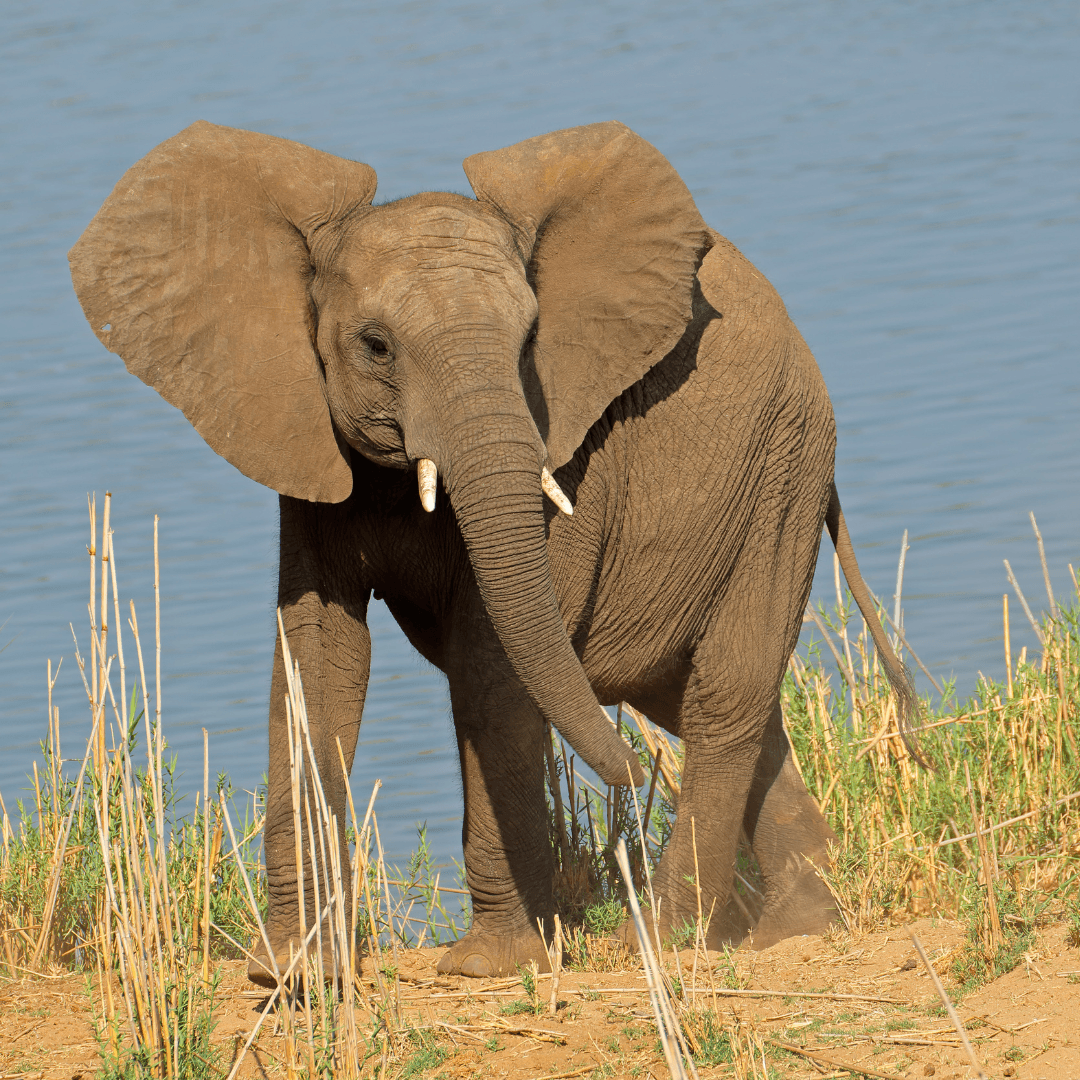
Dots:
{"x": 611, "y": 238}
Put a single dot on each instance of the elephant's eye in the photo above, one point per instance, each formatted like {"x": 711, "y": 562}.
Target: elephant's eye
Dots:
{"x": 376, "y": 345}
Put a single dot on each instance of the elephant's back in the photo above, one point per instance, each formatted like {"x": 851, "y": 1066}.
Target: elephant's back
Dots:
{"x": 754, "y": 323}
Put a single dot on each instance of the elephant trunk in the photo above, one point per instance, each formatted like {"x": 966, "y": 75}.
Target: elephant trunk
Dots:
{"x": 492, "y": 475}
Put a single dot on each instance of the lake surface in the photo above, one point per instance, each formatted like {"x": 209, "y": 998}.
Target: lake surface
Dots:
{"x": 905, "y": 173}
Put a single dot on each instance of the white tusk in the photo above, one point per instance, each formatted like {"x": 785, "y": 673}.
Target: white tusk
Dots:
{"x": 428, "y": 478}
{"x": 554, "y": 492}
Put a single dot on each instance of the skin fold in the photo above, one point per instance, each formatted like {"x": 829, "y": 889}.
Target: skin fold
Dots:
{"x": 577, "y": 315}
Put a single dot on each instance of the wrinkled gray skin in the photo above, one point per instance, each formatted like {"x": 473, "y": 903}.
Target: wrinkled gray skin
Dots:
{"x": 678, "y": 406}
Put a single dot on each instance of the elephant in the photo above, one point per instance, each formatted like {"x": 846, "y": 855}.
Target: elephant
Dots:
{"x": 562, "y": 427}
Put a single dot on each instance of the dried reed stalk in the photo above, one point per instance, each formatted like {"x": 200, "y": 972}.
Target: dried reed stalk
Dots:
{"x": 968, "y": 1049}
{"x": 676, "y": 1053}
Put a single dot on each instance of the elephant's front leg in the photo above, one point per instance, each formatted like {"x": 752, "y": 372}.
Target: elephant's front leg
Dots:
{"x": 504, "y": 833}
{"x": 323, "y": 610}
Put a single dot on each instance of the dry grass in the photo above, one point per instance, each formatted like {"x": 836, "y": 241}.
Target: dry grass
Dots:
{"x": 992, "y": 835}
{"x": 101, "y": 875}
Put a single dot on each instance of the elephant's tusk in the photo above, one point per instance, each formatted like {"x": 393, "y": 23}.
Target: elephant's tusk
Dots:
{"x": 427, "y": 477}
{"x": 554, "y": 492}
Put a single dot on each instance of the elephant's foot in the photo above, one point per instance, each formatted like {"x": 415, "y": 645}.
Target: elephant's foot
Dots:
{"x": 805, "y": 906}
{"x": 730, "y": 925}
{"x": 261, "y": 971}
{"x": 670, "y": 931}
{"x": 481, "y": 955}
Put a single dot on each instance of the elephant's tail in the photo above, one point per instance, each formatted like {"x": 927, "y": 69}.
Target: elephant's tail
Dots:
{"x": 897, "y": 672}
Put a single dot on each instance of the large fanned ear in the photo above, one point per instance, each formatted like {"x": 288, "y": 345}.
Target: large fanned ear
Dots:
{"x": 612, "y": 239}
{"x": 196, "y": 270}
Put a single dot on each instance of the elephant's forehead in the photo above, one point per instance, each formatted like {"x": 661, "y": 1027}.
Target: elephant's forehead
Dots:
{"x": 429, "y": 236}
{"x": 403, "y": 257}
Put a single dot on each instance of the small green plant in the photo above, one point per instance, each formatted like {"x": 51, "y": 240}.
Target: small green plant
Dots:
{"x": 604, "y": 917}
{"x": 905, "y": 1024}
{"x": 729, "y": 975}
{"x": 710, "y": 1042}
{"x": 979, "y": 961}
{"x": 807, "y": 1027}
{"x": 1072, "y": 924}
{"x": 515, "y": 1008}
{"x": 529, "y": 979}
{"x": 427, "y": 1056}
{"x": 683, "y": 935}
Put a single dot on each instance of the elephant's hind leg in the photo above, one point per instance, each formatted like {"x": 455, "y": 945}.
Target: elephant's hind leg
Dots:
{"x": 739, "y": 773}
{"x": 789, "y": 837}
{"x": 724, "y": 711}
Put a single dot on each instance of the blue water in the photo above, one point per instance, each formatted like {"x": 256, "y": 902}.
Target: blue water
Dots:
{"x": 905, "y": 173}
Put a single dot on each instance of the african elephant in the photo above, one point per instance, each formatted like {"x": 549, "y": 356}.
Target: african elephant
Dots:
{"x": 576, "y": 329}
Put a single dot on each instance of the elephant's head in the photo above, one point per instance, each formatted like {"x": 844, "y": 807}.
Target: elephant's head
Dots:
{"x": 251, "y": 282}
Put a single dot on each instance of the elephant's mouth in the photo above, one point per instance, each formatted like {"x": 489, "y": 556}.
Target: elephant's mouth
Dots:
{"x": 380, "y": 440}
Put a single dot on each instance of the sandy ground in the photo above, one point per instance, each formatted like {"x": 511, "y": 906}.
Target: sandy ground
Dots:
{"x": 1026, "y": 1024}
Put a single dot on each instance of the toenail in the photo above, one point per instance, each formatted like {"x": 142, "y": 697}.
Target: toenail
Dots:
{"x": 476, "y": 965}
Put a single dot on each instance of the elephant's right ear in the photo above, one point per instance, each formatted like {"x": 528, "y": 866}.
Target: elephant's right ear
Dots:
{"x": 196, "y": 270}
